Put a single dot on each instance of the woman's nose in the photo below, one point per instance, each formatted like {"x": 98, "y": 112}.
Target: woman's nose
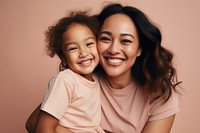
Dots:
{"x": 114, "y": 47}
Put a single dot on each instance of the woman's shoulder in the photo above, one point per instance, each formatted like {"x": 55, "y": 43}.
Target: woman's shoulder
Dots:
{"x": 163, "y": 106}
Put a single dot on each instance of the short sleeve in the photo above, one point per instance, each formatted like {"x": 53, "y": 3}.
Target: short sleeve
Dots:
{"x": 57, "y": 97}
{"x": 160, "y": 109}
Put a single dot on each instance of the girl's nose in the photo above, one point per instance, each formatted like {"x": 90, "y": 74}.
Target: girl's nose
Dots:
{"x": 83, "y": 53}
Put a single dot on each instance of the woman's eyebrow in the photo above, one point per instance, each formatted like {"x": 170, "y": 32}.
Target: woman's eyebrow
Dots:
{"x": 126, "y": 34}
{"x": 105, "y": 32}
{"x": 122, "y": 34}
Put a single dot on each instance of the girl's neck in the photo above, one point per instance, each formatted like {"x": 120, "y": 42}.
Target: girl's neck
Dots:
{"x": 87, "y": 76}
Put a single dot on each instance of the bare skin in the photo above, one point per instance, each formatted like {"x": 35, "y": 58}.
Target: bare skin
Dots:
{"x": 159, "y": 126}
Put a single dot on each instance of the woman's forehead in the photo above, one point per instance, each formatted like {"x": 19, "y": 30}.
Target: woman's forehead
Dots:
{"x": 119, "y": 23}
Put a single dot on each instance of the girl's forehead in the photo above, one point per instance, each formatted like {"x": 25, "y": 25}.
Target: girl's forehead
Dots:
{"x": 77, "y": 33}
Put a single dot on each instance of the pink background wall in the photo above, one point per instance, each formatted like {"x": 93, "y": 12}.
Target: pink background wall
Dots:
{"x": 25, "y": 68}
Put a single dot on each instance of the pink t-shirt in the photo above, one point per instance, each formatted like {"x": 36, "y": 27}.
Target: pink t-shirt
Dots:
{"x": 127, "y": 110}
{"x": 74, "y": 101}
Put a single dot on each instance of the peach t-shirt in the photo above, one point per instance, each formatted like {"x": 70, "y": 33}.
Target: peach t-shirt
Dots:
{"x": 74, "y": 101}
{"x": 127, "y": 110}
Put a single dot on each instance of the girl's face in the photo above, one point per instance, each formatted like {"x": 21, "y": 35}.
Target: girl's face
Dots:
{"x": 118, "y": 46}
{"x": 79, "y": 47}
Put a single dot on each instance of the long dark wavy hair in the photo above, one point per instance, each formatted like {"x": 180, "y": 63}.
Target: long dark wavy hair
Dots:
{"x": 54, "y": 33}
{"x": 153, "y": 69}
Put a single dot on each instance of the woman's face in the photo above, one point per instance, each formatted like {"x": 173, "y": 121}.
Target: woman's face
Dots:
{"x": 118, "y": 45}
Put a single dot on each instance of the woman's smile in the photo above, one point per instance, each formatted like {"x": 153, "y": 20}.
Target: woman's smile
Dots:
{"x": 114, "y": 61}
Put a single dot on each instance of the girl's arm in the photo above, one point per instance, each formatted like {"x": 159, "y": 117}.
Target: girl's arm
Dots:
{"x": 159, "y": 126}
{"x": 46, "y": 123}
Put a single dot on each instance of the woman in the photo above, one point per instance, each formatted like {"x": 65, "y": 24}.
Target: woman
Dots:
{"x": 139, "y": 80}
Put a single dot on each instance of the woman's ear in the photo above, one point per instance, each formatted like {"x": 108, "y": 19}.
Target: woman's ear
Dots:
{"x": 139, "y": 52}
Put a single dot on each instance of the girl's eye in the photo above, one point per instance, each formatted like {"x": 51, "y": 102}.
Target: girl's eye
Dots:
{"x": 90, "y": 44}
{"x": 105, "y": 39}
{"x": 72, "y": 49}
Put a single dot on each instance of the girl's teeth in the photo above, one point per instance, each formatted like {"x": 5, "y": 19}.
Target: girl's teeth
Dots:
{"x": 85, "y": 62}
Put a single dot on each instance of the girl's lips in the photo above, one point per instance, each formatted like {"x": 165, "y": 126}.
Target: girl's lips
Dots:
{"x": 85, "y": 62}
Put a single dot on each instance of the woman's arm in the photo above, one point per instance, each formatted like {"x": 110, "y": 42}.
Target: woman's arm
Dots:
{"x": 32, "y": 120}
{"x": 46, "y": 123}
{"x": 159, "y": 126}
{"x": 41, "y": 122}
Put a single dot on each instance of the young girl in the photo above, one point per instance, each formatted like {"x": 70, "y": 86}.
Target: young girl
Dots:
{"x": 72, "y": 99}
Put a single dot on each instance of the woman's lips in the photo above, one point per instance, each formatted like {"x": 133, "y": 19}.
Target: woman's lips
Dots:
{"x": 114, "y": 61}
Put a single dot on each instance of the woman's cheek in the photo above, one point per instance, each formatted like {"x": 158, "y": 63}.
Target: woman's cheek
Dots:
{"x": 101, "y": 47}
{"x": 132, "y": 51}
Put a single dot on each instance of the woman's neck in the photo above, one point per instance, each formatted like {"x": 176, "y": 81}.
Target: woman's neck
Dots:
{"x": 119, "y": 82}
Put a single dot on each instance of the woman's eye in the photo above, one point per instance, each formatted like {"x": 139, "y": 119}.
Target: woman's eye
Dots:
{"x": 104, "y": 39}
{"x": 125, "y": 41}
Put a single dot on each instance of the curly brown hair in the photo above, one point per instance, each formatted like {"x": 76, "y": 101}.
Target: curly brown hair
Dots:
{"x": 54, "y": 33}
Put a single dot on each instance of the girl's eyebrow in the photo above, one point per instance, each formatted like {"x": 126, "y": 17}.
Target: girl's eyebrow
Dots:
{"x": 88, "y": 38}
{"x": 69, "y": 43}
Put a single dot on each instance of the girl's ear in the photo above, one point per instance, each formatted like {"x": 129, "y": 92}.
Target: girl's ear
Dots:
{"x": 139, "y": 52}
{"x": 63, "y": 60}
